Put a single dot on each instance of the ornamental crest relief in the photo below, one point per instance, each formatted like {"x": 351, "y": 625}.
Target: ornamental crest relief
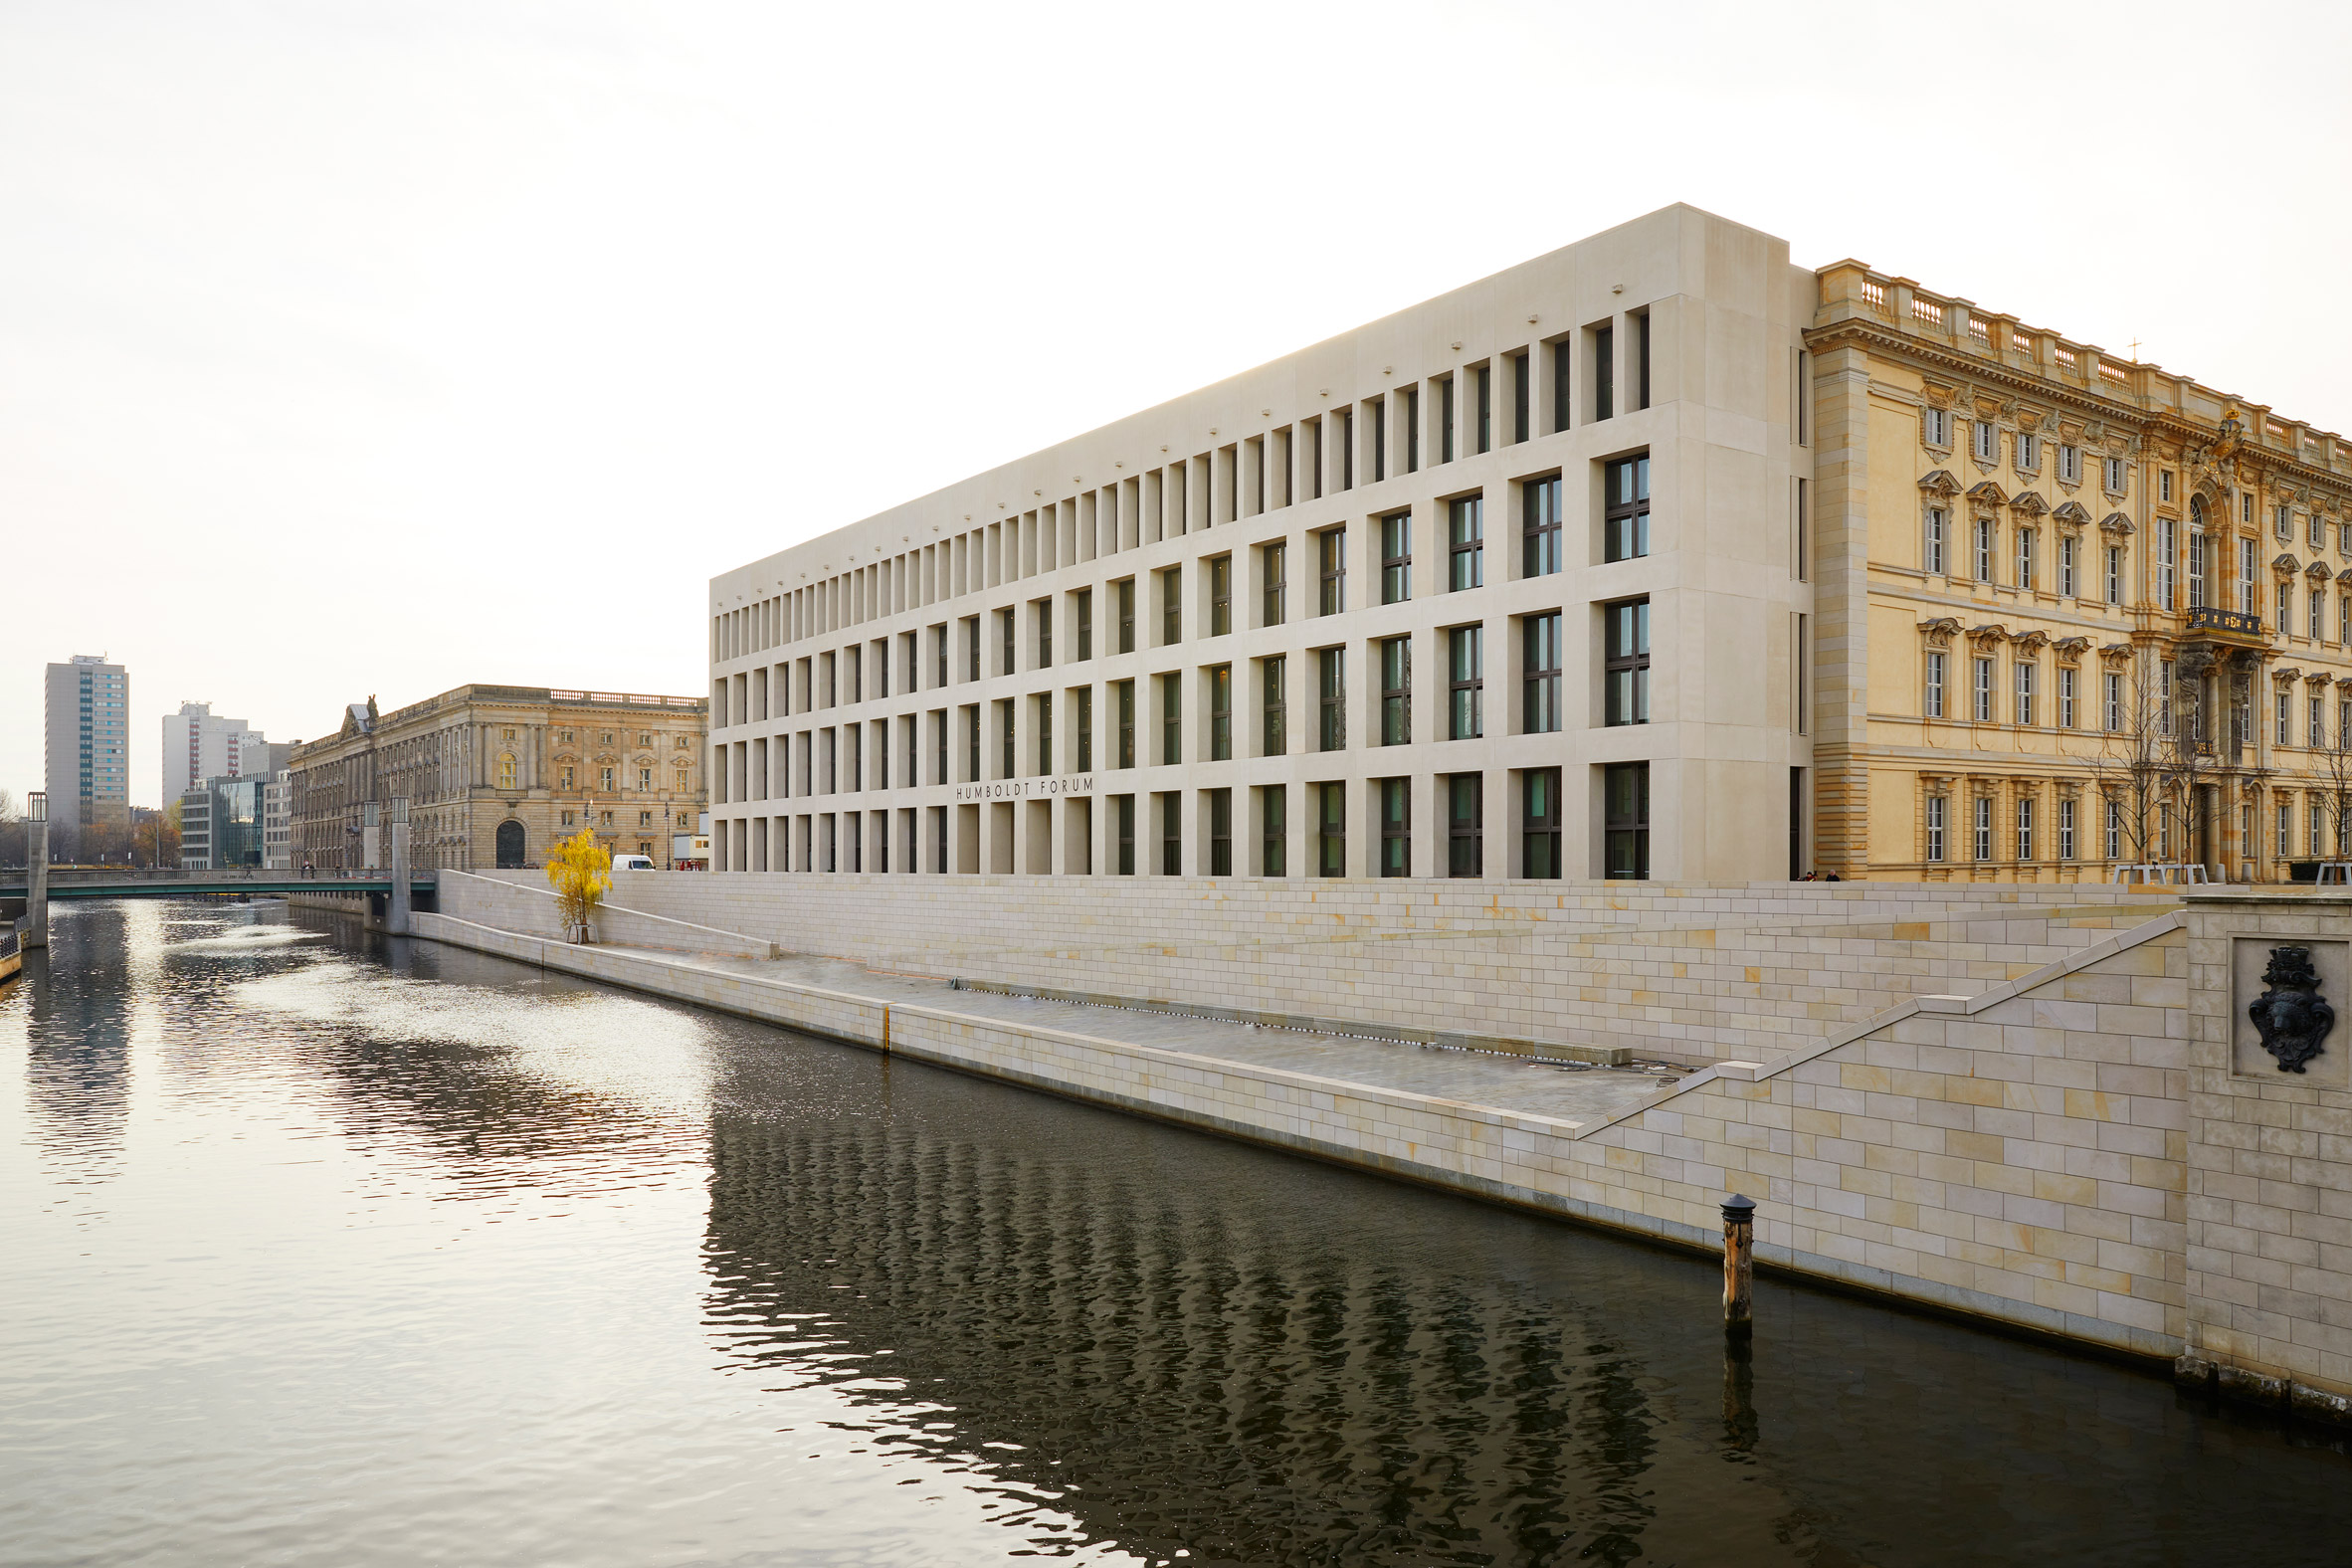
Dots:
{"x": 2292, "y": 1017}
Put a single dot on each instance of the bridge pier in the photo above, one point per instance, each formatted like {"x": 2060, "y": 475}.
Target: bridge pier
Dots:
{"x": 37, "y": 883}
{"x": 397, "y": 906}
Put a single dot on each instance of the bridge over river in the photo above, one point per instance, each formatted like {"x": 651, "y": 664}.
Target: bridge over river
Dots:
{"x": 122, "y": 882}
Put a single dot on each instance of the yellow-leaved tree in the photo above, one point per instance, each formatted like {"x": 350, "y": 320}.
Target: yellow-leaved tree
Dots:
{"x": 579, "y": 869}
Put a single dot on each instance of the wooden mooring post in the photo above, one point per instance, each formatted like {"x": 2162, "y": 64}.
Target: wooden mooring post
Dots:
{"x": 1739, "y": 1265}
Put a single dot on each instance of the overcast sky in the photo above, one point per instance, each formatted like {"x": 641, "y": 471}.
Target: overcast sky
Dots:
{"x": 378, "y": 348}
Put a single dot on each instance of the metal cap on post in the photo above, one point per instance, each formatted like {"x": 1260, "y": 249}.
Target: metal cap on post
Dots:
{"x": 1739, "y": 1263}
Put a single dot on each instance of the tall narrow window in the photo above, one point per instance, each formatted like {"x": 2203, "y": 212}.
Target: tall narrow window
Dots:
{"x": 1008, "y": 660}
{"x": 1982, "y": 708}
{"x": 1278, "y": 582}
{"x": 1396, "y": 690}
{"x": 1522, "y": 396}
{"x": 1045, "y": 733}
{"x": 1642, "y": 373}
{"x": 1411, "y": 399}
{"x": 2113, "y": 817}
{"x": 1125, "y": 690}
{"x": 1272, "y": 802}
{"x": 1126, "y": 607}
{"x": 939, "y": 655}
{"x": 1627, "y": 655}
{"x": 1347, "y": 447}
{"x": 1330, "y": 829}
{"x": 1083, "y": 721}
{"x": 972, "y": 669}
{"x": 1396, "y": 557}
{"x": 1220, "y": 595}
{"x": 1984, "y": 549}
{"x": 1278, "y": 723}
{"x": 2026, "y": 675}
{"x": 2066, "y": 828}
{"x": 1171, "y": 718}
{"x": 1465, "y": 826}
{"x": 1085, "y": 624}
{"x": 2065, "y": 566}
{"x": 1332, "y": 545}
{"x": 1486, "y": 379}
{"x": 1563, "y": 360}
{"x": 1219, "y": 832}
{"x": 2066, "y": 679}
{"x": 1935, "y": 546}
{"x": 1983, "y": 827}
{"x": 1445, "y": 420}
{"x": 1625, "y": 483}
{"x": 2114, "y": 594}
{"x": 1044, "y": 611}
{"x": 2025, "y": 828}
{"x": 1172, "y": 606}
{"x": 1332, "y": 682}
{"x": 1935, "y": 827}
{"x": 1171, "y": 806}
{"x": 2196, "y": 571}
{"x": 1626, "y": 820}
{"x": 1539, "y": 546}
{"x": 1539, "y": 823}
{"x": 2025, "y": 558}
{"x": 1933, "y": 701}
{"x": 1005, "y": 737}
{"x": 1221, "y": 713}
{"x": 1604, "y": 371}
{"x": 2167, "y": 555}
{"x": 1124, "y": 825}
{"x": 1540, "y": 698}
{"x": 1988, "y": 442}
{"x": 1465, "y": 544}
{"x": 1465, "y": 714}
{"x": 1395, "y": 827}
{"x": 1378, "y": 412}
{"x": 972, "y": 742}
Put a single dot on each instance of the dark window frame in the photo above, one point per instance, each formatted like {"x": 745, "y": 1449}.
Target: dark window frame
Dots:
{"x": 1126, "y": 609}
{"x": 1466, "y": 693}
{"x": 1465, "y": 825}
{"x": 1396, "y": 557}
{"x": 1331, "y": 565}
{"x": 1396, "y": 690}
{"x": 1331, "y": 690}
{"x": 1330, "y": 829}
{"x": 1220, "y": 713}
{"x": 1126, "y": 723}
{"x": 1625, "y": 822}
{"x": 1625, "y": 490}
{"x": 1221, "y": 832}
{"x": 1084, "y": 608}
{"x": 1171, "y": 605}
{"x": 1541, "y": 654}
{"x": 1275, "y": 602}
{"x": 1274, "y": 842}
{"x": 1220, "y": 594}
{"x": 1465, "y": 544}
{"x": 1626, "y": 662}
{"x": 1171, "y": 718}
{"x": 1540, "y": 553}
{"x": 1274, "y": 679}
{"x": 1395, "y": 827}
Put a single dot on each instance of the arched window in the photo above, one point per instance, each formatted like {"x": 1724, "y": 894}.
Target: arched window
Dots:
{"x": 506, "y": 774}
{"x": 510, "y": 843}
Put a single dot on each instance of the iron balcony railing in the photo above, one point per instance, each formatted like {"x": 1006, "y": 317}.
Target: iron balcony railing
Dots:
{"x": 2242, "y": 623}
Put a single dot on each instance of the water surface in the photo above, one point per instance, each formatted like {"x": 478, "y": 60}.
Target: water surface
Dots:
{"x": 322, "y": 1249}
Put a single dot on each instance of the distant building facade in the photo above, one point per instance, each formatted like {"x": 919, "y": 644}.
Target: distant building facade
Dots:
{"x": 494, "y": 773}
{"x": 200, "y": 744}
{"x": 222, "y": 823}
{"x": 87, "y": 761}
{"x": 278, "y": 821}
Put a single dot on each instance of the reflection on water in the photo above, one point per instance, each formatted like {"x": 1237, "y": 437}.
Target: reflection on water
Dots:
{"x": 325, "y": 1248}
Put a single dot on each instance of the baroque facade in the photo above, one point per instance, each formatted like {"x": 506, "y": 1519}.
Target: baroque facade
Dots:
{"x": 492, "y": 774}
{"x": 2076, "y": 611}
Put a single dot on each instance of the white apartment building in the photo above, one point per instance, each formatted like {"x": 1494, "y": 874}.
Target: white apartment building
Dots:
{"x": 1509, "y": 584}
{"x": 199, "y": 745}
{"x": 86, "y": 768}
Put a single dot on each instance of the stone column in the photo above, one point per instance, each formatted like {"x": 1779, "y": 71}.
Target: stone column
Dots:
{"x": 396, "y": 912}
{"x": 1841, "y": 645}
{"x": 37, "y": 882}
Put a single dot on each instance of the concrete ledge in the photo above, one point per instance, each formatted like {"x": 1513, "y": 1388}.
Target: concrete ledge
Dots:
{"x": 658, "y": 930}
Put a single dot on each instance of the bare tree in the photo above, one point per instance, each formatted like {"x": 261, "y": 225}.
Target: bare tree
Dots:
{"x": 2158, "y": 753}
{"x": 2335, "y": 769}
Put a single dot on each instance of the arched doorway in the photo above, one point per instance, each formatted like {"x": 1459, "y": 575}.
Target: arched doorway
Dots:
{"x": 510, "y": 845}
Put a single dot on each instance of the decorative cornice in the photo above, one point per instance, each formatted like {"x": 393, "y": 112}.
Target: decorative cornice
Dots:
{"x": 2317, "y": 571}
{"x": 1987, "y": 494}
{"x": 2286, "y": 565}
{"x": 2070, "y": 514}
{"x": 1940, "y": 483}
{"x": 2072, "y": 648}
{"x": 1941, "y": 630}
{"x": 2116, "y": 652}
{"x": 2030, "y": 502}
{"x": 2116, "y": 523}
{"x": 1989, "y": 633}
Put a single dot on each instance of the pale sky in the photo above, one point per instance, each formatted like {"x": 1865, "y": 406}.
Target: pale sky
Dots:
{"x": 351, "y": 349}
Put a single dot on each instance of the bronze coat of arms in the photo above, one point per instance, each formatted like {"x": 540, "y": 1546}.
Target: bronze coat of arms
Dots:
{"x": 2292, "y": 1018}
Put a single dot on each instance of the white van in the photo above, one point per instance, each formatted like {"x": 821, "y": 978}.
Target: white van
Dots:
{"x": 633, "y": 863}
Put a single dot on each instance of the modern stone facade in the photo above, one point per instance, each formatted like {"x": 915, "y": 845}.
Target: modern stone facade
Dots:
{"x": 1413, "y": 602}
{"x": 492, "y": 774}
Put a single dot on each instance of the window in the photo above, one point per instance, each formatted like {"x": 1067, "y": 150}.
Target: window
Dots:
{"x": 681, "y": 782}
{"x": 1539, "y": 823}
{"x": 1540, "y": 693}
{"x": 2070, "y": 465}
{"x": 1221, "y": 713}
{"x": 1171, "y": 718}
{"x": 1042, "y": 613}
{"x": 939, "y": 655}
{"x": 1219, "y": 832}
{"x": 1934, "y": 703}
{"x": 1539, "y": 535}
{"x": 2029, "y": 452}
{"x": 1396, "y": 817}
{"x": 1937, "y": 426}
{"x": 1332, "y": 664}
{"x": 2286, "y": 716}
{"x": 1006, "y": 626}
{"x": 2164, "y": 486}
{"x": 2318, "y": 531}
{"x": 1627, "y": 662}
{"x": 2286, "y": 610}
{"x": 2025, "y": 828}
{"x": 1411, "y": 398}
{"x": 1126, "y": 608}
{"x": 2286, "y": 828}
{"x": 1445, "y": 420}
{"x": 2066, "y": 698}
{"x": 1981, "y": 710}
{"x": 1934, "y": 550}
{"x": 2167, "y": 554}
{"x": 1083, "y": 699}
{"x": 2065, "y": 582}
{"x": 1085, "y": 624}
{"x": 563, "y": 777}
{"x": 506, "y": 770}
{"x": 1396, "y": 557}
{"x": 1171, "y": 606}
{"x": 1124, "y": 825}
{"x": 2025, "y": 558}
{"x": 2114, "y": 830}
{"x": 604, "y": 780}
{"x": 2316, "y": 722}
{"x": 1466, "y": 661}
{"x": 972, "y": 669}
{"x": 1220, "y": 595}
{"x": 1988, "y": 442}
{"x": 2026, "y": 675}
{"x": 1522, "y": 396}
{"x": 1004, "y": 732}
{"x": 2111, "y": 477}
{"x": 2196, "y": 571}
{"x": 1465, "y": 541}
{"x": 1485, "y": 384}
{"x": 1330, "y": 829}
{"x": 1464, "y": 818}
{"x": 1333, "y": 543}
{"x": 1984, "y": 828}
{"x": 1045, "y": 733}
{"x": 2283, "y": 522}
{"x": 1625, "y": 486}
{"x": 1276, "y": 676}
{"x": 1278, "y": 569}
{"x": 1396, "y": 690}
{"x": 1626, "y": 820}
{"x": 2318, "y": 622}
{"x": 2114, "y": 593}
{"x": 1935, "y": 827}
{"x": 1272, "y": 858}
{"x": 1125, "y": 690}
{"x": 1171, "y": 803}
{"x": 1604, "y": 371}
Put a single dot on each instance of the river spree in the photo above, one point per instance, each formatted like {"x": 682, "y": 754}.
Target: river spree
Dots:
{"x": 320, "y": 1249}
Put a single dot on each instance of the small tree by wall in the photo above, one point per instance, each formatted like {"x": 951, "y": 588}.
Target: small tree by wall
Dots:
{"x": 580, "y": 870}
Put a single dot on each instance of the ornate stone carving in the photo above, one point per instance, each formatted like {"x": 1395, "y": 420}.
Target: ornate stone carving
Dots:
{"x": 2116, "y": 524}
{"x": 2116, "y": 652}
{"x": 2286, "y": 675}
{"x": 1940, "y": 483}
{"x": 2286, "y": 565}
{"x": 2031, "y": 640}
{"x": 1987, "y": 494}
{"x": 2292, "y": 1018}
{"x": 1989, "y": 635}
{"x": 1940, "y": 631}
{"x": 2317, "y": 571}
{"x": 2071, "y": 514}
{"x": 2029, "y": 503}
{"x": 2071, "y": 648}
